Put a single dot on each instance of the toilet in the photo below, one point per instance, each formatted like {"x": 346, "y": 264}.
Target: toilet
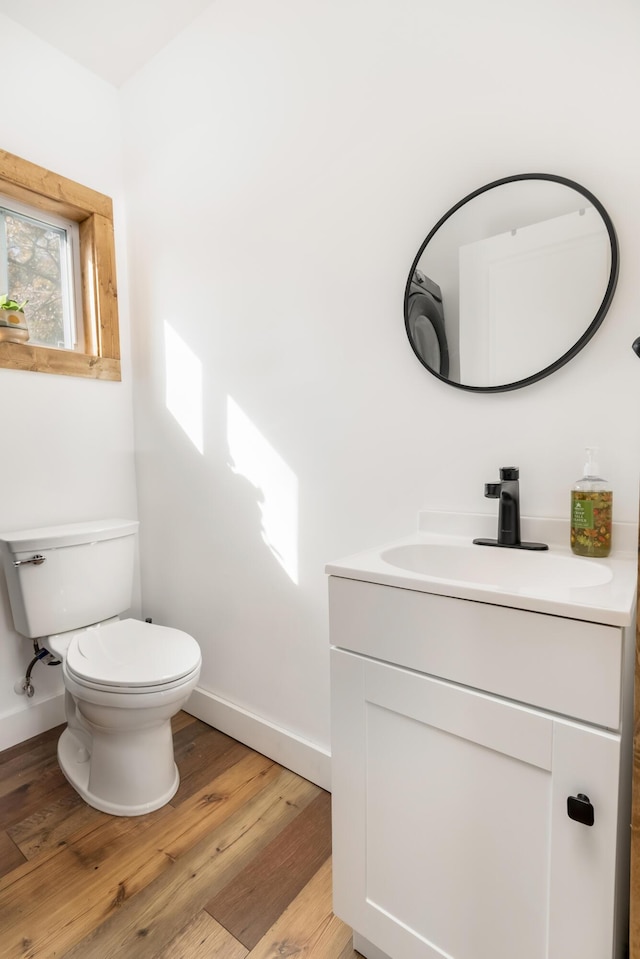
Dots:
{"x": 124, "y": 679}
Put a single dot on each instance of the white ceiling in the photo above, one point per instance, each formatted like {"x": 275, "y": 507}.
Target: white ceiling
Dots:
{"x": 113, "y": 38}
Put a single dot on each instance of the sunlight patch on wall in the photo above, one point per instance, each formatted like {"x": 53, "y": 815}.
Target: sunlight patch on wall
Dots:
{"x": 183, "y": 386}
{"x": 255, "y": 459}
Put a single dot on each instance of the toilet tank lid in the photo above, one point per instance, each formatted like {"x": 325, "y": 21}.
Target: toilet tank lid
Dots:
{"x": 71, "y": 534}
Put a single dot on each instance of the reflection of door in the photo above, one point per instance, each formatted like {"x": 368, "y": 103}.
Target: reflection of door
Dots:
{"x": 452, "y": 837}
{"x": 525, "y": 289}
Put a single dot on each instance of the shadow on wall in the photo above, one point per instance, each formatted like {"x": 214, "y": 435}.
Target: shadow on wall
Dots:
{"x": 255, "y": 459}
{"x": 251, "y": 455}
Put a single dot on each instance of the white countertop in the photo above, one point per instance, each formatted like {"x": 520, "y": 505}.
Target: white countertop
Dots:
{"x": 612, "y": 603}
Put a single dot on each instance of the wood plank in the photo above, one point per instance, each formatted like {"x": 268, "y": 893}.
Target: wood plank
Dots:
{"x": 23, "y": 768}
{"x": 181, "y": 720}
{"x": 41, "y": 359}
{"x": 202, "y": 939}
{"x": 30, "y": 790}
{"x": 142, "y": 926}
{"x": 201, "y": 754}
{"x": 196, "y": 742}
{"x": 96, "y": 875}
{"x": 23, "y": 752}
{"x": 85, "y": 846}
{"x": 249, "y": 905}
{"x": 308, "y": 927}
{"x": 111, "y": 837}
{"x": 20, "y": 768}
{"x": 38, "y": 186}
{"x": 10, "y": 855}
{"x": 50, "y": 827}
{"x": 99, "y": 288}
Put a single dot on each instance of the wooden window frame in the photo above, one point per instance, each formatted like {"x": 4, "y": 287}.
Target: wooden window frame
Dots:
{"x": 52, "y": 193}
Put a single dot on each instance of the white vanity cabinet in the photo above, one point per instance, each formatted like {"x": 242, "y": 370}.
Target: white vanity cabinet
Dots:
{"x": 459, "y": 731}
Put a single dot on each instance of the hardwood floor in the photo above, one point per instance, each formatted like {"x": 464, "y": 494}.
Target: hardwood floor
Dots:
{"x": 237, "y": 866}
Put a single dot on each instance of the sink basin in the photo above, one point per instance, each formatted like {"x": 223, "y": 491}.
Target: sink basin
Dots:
{"x": 502, "y": 568}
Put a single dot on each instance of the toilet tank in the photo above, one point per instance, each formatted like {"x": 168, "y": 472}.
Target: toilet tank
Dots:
{"x": 86, "y": 576}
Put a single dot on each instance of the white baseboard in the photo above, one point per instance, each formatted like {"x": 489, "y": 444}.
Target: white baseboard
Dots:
{"x": 301, "y": 756}
{"x": 30, "y": 720}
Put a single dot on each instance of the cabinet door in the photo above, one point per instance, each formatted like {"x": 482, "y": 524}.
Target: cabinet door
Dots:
{"x": 451, "y": 832}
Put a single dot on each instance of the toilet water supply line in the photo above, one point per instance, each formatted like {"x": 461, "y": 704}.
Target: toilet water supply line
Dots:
{"x": 25, "y": 685}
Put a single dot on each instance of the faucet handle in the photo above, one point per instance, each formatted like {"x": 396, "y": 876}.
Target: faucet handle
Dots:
{"x": 509, "y": 472}
{"x": 492, "y": 490}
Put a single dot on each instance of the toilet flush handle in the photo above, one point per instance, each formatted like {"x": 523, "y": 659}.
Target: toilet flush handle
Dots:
{"x": 36, "y": 560}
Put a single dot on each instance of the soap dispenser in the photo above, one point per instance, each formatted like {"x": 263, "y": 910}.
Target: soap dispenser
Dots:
{"x": 591, "y": 510}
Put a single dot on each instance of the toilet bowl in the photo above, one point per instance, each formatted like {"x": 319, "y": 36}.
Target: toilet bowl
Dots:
{"x": 124, "y": 679}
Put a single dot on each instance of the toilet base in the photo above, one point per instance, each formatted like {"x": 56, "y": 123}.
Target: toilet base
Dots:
{"x": 75, "y": 762}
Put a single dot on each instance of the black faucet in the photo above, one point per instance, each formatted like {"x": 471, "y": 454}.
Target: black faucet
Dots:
{"x": 507, "y": 491}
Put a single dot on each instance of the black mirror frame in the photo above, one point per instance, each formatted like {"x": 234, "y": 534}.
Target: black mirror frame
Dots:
{"x": 593, "y": 326}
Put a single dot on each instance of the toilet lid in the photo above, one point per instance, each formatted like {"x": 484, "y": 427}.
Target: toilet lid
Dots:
{"x": 129, "y": 653}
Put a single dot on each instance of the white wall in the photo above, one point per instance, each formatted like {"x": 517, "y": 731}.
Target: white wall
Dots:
{"x": 284, "y": 161}
{"x": 67, "y": 443}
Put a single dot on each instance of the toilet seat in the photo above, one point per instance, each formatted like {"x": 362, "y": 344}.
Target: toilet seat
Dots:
{"x": 132, "y": 656}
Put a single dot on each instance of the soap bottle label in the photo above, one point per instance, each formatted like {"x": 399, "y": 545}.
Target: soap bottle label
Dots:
{"x": 582, "y": 513}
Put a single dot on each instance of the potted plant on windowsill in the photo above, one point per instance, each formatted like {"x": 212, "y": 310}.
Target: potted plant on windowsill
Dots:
{"x": 13, "y": 325}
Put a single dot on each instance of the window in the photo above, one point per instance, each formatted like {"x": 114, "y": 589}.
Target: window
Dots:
{"x": 40, "y": 263}
{"x": 57, "y": 252}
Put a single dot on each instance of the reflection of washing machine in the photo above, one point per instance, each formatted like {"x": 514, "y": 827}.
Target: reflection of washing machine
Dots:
{"x": 424, "y": 319}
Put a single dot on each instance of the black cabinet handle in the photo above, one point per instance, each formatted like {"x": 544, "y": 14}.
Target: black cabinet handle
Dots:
{"x": 580, "y": 809}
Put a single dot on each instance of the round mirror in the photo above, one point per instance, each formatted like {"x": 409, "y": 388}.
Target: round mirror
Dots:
{"x": 511, "y": 283}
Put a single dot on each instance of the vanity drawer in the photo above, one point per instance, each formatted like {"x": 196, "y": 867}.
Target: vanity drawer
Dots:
{"x": 567, "y": 666}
